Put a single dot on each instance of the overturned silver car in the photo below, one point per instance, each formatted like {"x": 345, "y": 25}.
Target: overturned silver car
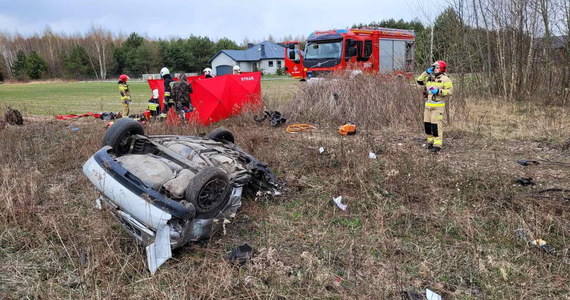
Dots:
{"x": 168, "y": 190}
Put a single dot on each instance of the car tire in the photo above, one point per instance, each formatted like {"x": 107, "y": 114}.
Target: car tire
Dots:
{"x": 208, "y": 192}
{"x": 221, "y": 135}
{"x": 119, "y": 135}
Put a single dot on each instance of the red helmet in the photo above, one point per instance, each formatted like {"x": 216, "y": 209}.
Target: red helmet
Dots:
{"x": 442, "y": 65}
{"x": 123, "y": 78}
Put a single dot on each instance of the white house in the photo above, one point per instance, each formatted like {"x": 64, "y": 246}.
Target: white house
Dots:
{"x": 266, "y": 57}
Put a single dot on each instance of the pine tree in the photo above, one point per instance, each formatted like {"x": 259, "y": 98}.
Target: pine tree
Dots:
{"x": 36, "y": 66}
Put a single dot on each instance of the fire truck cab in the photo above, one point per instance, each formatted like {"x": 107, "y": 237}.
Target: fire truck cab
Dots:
{"x": 383, "y": 51}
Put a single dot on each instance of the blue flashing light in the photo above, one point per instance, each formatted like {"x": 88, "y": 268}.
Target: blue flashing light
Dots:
{"x": 342, "y": 31}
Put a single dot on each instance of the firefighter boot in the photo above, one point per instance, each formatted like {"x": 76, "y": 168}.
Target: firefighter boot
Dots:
{"x": 434, "y": 149}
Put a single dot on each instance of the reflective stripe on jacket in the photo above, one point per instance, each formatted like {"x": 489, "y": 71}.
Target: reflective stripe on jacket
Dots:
{"x": 124, "y": 91}
{"x": 441, "y": 82}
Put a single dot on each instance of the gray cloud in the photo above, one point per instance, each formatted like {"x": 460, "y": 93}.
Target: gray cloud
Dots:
{"x": 237, "y": 20}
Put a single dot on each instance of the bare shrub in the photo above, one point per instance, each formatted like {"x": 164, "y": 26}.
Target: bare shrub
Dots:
{"x": 13, "y": 117}
{"x": 369, "y": 101}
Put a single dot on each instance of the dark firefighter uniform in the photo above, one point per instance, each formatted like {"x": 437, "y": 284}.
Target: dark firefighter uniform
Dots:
{"x": 438, "y": 88}
{"x": 181, "y": 91}
{"x": 168, "y": 99}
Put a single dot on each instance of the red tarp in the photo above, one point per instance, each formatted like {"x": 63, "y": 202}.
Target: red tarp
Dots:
{"x": 218, "y": 98}
{"x": 72, "y": 116}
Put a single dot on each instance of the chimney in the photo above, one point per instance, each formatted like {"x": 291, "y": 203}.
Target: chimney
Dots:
{"x": 262, "y": 50}
{"x": 249, "y": 45}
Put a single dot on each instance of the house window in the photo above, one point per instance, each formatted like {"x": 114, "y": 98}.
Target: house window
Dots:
{"x": 271, "y": 64}
{"x": 278, "y": 64}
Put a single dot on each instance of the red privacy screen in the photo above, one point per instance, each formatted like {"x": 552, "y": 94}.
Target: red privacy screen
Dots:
{"x": 219, "y": 98}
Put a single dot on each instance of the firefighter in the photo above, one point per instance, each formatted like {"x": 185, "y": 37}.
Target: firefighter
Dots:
{"x": 153, "y": 104}
{"x": 236, "y": 70}
{"x": 181, "y": 94}
{"x": 437, "y": 88}
{"x": 168, "y": 100}
{"x": 125, "y": 94}
{"x": 208, "y": 73}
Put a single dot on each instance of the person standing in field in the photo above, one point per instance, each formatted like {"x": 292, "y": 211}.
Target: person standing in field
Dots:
{"x": 181, "y": 91}
{"x": 437, "y": 88}
{"x": 125, "y": 94}
{"x": 168, "y": 100}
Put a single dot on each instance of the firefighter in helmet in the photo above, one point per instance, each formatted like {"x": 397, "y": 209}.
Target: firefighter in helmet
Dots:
{"x": 437, "y": 88}
{"x": 153, "y": 104}
{"x": 236, "y": 70}
{"x": 168, "y": 99}
{"x": 125, "y": 94}
{"x": 208, "y": 73}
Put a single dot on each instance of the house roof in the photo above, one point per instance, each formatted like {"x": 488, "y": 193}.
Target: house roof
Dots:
{"x": 264, "y": 50}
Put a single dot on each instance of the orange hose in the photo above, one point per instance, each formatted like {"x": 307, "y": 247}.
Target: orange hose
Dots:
{"x": 299, "y": 127}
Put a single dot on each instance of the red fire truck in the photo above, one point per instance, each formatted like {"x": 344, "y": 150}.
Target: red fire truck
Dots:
{"x": 383, "y": 51}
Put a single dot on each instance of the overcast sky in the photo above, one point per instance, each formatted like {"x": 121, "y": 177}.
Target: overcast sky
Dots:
{"x": 235, "y": 19}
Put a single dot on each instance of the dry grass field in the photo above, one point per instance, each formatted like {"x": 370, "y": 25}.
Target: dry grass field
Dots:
{"x": 415, "y": 220}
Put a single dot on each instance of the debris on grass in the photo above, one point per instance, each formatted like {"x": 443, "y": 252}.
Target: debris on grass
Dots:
{"x": 371, "y": 155}
{"x": 412, "y": 295}
{"x": 275, "y": 118}
{"x": 338, "y": 202}
{"x": 241, "y": 254}
{"x": 527, "y": 162}
{"x": 431, "y": 295}
{"x": 534, "y": 243}
{"x": 525, "y": 181}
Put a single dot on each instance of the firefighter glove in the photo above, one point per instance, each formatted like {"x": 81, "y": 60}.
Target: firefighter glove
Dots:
{"x": 433, "y": 90}
{"x": 430, "y": 70}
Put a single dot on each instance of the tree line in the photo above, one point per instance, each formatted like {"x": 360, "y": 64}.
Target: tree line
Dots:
{"x": 100, "y": 55}
{"x": 515, "y": 49}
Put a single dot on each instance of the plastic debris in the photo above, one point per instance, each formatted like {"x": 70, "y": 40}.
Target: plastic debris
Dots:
{"x": 534, "y": 243}
{"x": 371, "y": 155}
{"x": 431, "y": 295}
{"x": 524, "y": 181}
{"x": 240, "y": 254}
{"x": 321, "y": 150}
{"x": 400, "y": 144}
{"x": 526, "y": 162}
{"x": 542, "y": 245}
{"x": 338, "y": 202}
{"x": 75, "y": 129}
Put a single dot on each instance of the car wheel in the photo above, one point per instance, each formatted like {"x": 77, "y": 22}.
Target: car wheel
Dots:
{"x": 119, "y": 135}
{"x": 221, "y": 135}
{"x": 208, "y": 192}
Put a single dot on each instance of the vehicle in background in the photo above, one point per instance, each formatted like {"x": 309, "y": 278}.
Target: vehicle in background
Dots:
{"x": 383, "y": 51}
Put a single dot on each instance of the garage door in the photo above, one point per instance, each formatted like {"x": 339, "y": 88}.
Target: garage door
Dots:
{"x": 223, "y": 70}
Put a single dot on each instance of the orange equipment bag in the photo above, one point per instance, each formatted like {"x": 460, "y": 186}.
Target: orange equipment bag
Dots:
{"x": 348, "y": 128}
